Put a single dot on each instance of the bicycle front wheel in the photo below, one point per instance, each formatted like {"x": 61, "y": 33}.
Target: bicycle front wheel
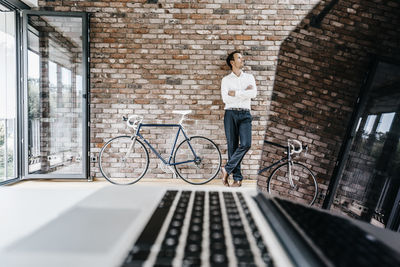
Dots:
{"x": 198, "y": 160}
{"x": 123, "y": 161}
{"x": 305, "y": 187}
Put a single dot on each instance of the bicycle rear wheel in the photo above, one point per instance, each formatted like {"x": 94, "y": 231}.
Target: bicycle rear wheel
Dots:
{"x": 305, "y": 188}
{"x": 120, "y": 167}
{"x": 200, "y": 169}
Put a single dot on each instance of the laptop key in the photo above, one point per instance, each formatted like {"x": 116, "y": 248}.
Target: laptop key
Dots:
{"x": 163, "y": 262}
{"x": 246, "y": 264}
{"x": 191, "y": 261}
{"x": 219, "y": 258}
{"x": 244, "y": 253}
{"x": 167, "y": 253}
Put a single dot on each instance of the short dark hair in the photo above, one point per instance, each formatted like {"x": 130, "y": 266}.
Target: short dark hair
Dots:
{"x": 230, "y": 58}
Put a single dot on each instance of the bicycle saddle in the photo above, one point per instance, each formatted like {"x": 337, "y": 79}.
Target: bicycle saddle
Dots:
{"x": 182, "y": 112}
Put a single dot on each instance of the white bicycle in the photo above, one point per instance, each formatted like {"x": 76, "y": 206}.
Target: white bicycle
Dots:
{"x": 291, "y": 179}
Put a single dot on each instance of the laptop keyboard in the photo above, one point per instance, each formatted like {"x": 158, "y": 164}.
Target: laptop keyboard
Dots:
{"x": 266, "y": 257}
{"x": 197, "y": 228}
{"x": 142, "y": 247}
{"x": 342, "y": 242}
{"x": 205, "y": 228}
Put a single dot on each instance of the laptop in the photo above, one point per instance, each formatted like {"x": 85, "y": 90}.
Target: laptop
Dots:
{"x": 199, "y": 226}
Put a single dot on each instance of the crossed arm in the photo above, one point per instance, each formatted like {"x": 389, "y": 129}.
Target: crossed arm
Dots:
{"x": 231, "y": 96}
{"x": 233, "y": 93}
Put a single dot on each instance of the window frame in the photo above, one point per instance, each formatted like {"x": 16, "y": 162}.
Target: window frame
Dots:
{"x": 85, "y": 96}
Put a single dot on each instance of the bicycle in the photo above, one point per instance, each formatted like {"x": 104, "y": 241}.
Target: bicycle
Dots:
{"x": 124, "y": 159}
{"x": 292, "y": 180}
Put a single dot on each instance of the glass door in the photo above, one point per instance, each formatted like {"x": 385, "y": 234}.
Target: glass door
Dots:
{"x": 8, "y": 95}
{"x": 370, "y": 182}
{"x": 55, "y": 72}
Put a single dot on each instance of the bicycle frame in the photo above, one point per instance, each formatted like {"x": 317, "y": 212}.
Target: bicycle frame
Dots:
{"x": 283, "y": 159}
{"x": 167, "y": 162}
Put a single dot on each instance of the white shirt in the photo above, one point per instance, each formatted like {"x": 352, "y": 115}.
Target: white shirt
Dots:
{"x": 242, "y": 98}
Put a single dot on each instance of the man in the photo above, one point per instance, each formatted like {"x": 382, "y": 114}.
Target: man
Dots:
{"x": 237, "y": 89}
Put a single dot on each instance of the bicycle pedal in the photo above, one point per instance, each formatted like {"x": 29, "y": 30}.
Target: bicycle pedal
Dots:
{"x": 167, "y": 169}
{"x": 173, "y": 171}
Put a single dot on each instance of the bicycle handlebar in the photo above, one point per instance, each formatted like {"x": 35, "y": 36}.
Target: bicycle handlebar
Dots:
{"x": 133, "y": 121}
{"x": 291, "y": 146}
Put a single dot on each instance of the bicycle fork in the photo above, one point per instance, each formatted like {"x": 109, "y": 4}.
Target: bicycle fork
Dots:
{"x": 289, "y": 169}
{"x": 131, "y": 146}
{"x": 292, "y": 185}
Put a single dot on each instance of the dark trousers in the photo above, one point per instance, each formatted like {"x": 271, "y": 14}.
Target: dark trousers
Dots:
{"x": 238, "y": 136}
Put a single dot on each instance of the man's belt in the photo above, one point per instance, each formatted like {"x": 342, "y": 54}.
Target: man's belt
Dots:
{"x": 238, "y": 109}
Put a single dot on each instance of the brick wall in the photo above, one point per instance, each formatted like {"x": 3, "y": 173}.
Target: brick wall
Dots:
{"x": 320, "y": 73}
{"x": 153, "y": 58}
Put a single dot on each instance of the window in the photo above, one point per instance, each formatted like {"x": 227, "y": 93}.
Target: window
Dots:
{"x": 43, "y": 93}
{"x": 8, "y": 95}
{"x": 369, "y": 186}
{"x": 56, "y": 65}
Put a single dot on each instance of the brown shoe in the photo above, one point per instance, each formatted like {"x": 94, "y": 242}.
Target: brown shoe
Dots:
{"x": 236, "y": 184}
{"x": 225, "y": 177}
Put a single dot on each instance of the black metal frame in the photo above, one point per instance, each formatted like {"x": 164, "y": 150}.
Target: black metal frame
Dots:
{"x": 20, "y": 7}
{"x": 351, "y": 130}
{"x": 17, "y": 7}
{"x": 14, "y": 4}
{"x": 10, "y": 181}
{"x": 394, "y": 218}
{"x": 85, "y": 94}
